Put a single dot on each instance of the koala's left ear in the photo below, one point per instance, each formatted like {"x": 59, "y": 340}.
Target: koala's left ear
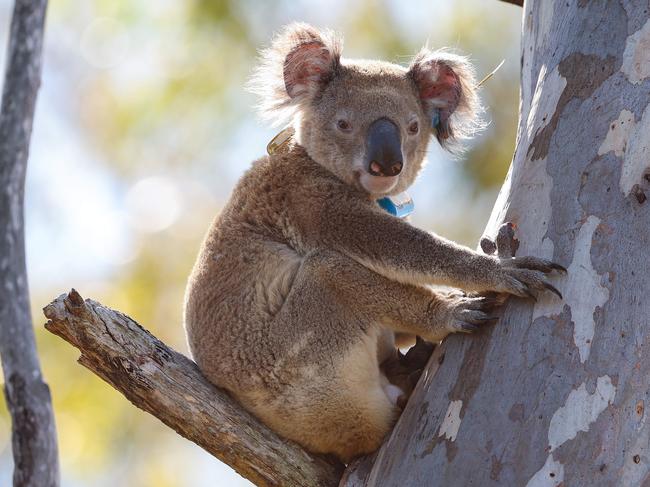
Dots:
{"x": 447, "y": 89}
{"x": 299, "y": 63}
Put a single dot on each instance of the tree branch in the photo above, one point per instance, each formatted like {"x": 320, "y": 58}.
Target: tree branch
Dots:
{"x": 515, "y": 2}
{"x": 170, "y": 386}
{"x": 28, "y": 397}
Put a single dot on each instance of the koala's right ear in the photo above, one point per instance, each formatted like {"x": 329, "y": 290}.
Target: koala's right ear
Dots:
{"x": 299, "y": 63}
{"x": 448, "y": 91}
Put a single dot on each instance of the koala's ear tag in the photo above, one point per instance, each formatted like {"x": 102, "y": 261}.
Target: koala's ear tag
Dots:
{"x": 435, "y": 119}
{"x": 280, "y": 140}
{"x": 401, "y": 205}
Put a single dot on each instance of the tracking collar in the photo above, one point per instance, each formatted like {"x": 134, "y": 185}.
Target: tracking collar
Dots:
{"x": 401, "y": 205}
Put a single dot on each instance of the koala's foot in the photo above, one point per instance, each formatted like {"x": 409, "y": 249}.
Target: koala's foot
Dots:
{"x": 404, "y": 370}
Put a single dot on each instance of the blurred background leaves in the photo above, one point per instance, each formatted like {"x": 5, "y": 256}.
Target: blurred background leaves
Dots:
{"x": 142, "y": 129}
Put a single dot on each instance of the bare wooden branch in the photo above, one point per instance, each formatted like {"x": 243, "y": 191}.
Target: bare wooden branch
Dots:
{"x": 515, "y": 2}
{"x": 170, "y": 386}
{"x": 28, "y": 397}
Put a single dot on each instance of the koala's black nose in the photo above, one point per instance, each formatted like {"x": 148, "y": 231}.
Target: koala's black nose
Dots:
{"x": 383, "y": 148}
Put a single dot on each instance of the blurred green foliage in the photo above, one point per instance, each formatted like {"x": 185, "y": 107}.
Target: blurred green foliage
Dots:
{"x": 175, "y": 110}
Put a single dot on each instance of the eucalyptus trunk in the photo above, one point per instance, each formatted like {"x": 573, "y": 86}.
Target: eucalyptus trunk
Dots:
{"x": 555, "y": 394}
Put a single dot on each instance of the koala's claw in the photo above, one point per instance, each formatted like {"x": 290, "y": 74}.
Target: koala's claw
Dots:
{"x": 470, "y": 313}
{"x": 467, "y": 328}
{"x": 553, "y": 289}
{"x": 526, "y": 276}
{"x": 534, "y": 263}
{"x": 487, "y": 319}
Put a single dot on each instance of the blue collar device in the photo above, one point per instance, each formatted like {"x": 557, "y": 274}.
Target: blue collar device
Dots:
{"x": 401, "y": 205}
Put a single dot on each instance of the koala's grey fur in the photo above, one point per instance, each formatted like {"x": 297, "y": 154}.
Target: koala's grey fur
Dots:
{"x": 302, "y": 280}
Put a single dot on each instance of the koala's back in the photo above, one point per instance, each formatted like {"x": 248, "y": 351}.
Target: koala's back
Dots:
{"x": 245, "y": 269}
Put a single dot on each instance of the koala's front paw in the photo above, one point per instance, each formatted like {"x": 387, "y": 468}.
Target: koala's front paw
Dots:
{"x": 467, "y": 313}
{"x": 526, "y": 276}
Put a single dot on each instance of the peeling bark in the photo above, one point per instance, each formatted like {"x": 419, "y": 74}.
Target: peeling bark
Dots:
{"x": 555, "y": 394}
{"x": 170, "y": 386}
{"x": 28, "y": 397}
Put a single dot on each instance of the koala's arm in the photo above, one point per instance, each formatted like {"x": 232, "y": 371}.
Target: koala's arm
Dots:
{"x": 401, "y": 252}
{"x": 405, "y": 308}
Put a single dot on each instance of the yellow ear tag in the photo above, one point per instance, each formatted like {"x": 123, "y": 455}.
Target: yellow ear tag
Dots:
{"x": 280, "y": 140}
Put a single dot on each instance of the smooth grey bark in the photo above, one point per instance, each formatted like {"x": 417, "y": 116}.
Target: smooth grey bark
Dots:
{"x": 557, "y": 392}
{"x": 28, "y": 397}
{"x": 170, "y": 386}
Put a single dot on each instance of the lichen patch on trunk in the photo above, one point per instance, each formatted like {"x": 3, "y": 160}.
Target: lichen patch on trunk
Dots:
{"x": 628, "y": 139}
{"x": 637, "y": 154}
{"x": 584, "y": 74}
{"x": 580, "y": 410}
{"x": 582, "y": 291}
{"x": 451, "y": 424}
{"x": 636, "y": 58}
{"x": 618, "y": 134}
{"x": 550, "y": 475}
{"x": 550, "y": 87}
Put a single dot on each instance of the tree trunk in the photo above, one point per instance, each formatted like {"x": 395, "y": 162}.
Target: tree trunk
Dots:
{"x": 28, "y": 397}
{"x": 555, "y": 394}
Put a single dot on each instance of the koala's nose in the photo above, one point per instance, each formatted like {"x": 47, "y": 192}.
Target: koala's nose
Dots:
{"x": 383, "y": 148}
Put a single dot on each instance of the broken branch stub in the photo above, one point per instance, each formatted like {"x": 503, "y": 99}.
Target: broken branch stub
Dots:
{"x": 170, "y": 386}
{"x": 505, "y": 244}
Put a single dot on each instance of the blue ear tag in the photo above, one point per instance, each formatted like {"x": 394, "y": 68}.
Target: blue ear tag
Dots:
{"x": 435, "y": 119}
{"x": 401, "y": 205}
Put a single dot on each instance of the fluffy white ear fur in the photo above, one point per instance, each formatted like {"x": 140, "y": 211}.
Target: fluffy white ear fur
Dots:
{"x": 300, "y": 61}
{"x": 448, "y": 89}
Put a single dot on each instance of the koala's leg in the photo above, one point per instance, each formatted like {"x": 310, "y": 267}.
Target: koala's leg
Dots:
{"x": 330, "y": 395}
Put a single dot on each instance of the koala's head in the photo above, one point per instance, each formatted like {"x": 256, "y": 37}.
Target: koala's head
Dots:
{"x": 369, "y": 122}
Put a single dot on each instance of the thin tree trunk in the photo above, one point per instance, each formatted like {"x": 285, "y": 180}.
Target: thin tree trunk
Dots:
{"x": 28, "y": 397}
{"x": 556, "y": 393}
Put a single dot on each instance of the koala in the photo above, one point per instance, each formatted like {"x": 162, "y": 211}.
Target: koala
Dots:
{"x": 303, "y": 281}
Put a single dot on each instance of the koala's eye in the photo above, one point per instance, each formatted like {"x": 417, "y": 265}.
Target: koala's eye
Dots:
{"x": 413, "y": 128}
{"x": 343, "y": 125}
